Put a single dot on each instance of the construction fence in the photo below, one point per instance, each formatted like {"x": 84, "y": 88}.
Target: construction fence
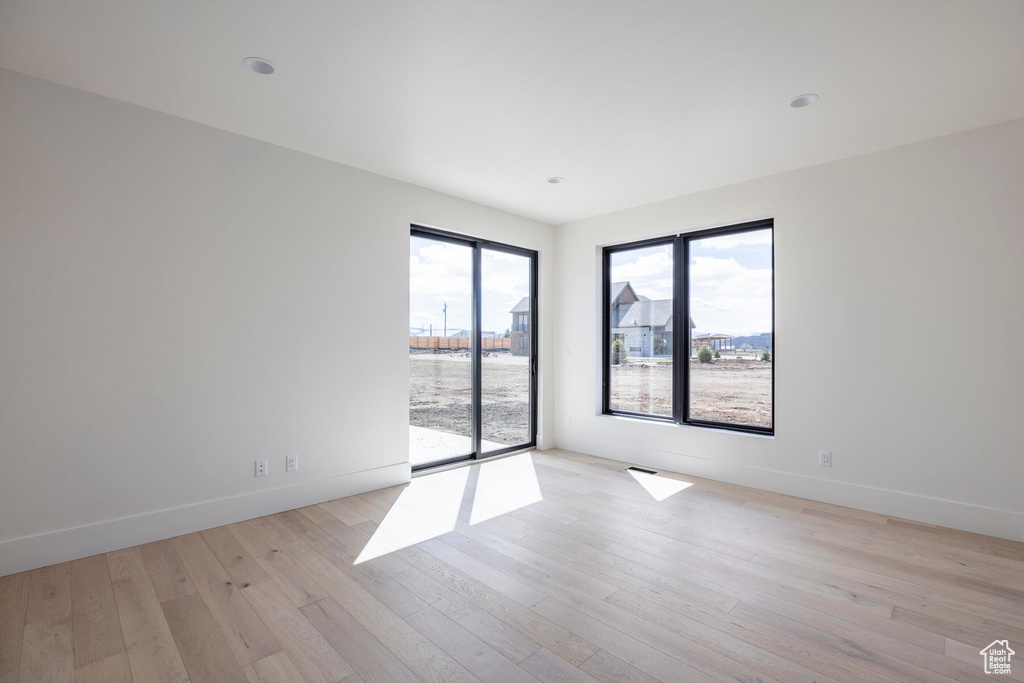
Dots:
{"x": 487, "y": 344}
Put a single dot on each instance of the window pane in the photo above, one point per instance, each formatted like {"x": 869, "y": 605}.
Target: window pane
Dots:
{"x": 640, "y": 347}
{"x": 731, "y": 352}
{"x": 440, "y": 353}
{"x": 506, "y": 348}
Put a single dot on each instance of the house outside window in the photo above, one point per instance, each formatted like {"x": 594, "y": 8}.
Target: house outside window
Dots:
{"x": 520, "y": 328}
{"x": 717, "y": 370}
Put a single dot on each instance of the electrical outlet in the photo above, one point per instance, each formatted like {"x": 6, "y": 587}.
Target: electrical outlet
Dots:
{"x": 261, "y": 468}
{"x": 825, "y": 458}
{"x": 568, "y": 420}
{"x": 291, "y": 463}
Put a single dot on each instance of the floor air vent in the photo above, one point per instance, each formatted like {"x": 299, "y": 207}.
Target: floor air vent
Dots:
{"x": 641, "y": 469}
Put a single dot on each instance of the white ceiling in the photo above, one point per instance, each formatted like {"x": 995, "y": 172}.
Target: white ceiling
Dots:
{"x": 630, "y": 101}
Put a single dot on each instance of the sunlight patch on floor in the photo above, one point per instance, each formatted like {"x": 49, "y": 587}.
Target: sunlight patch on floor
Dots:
{"x": 659, "y": 487}
{"x": 503, "y": 486}
{"x": 428, "y": 507}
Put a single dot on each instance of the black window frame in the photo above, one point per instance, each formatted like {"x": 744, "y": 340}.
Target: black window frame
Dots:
{"x": 478, "y": 245}
{"x": 680, "y": 337}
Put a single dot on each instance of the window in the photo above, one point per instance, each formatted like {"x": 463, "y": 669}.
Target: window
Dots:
{"x": 641, "y": 302}
{"x": 718, "y": 370}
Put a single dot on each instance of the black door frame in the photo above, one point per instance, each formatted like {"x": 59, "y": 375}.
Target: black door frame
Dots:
{"x": 478, "y": 245}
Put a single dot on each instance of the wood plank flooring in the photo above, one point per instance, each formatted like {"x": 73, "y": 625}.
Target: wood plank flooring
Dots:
{"x": 571, "y": 570}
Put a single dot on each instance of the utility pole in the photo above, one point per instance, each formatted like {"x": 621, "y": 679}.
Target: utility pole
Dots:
{"x": 445, "y": 311}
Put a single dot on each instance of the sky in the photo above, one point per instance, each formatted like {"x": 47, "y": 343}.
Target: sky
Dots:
{"x": 730, "y": 280}
{"x": 730, "y": 283}
{"x": 441, "y": 273}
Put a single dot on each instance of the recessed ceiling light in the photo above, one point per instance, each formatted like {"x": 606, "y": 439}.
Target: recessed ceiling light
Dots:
{"x": 554, "y": 180}
{"x": 803, "y": 101}
{"x": 259, "y": 65}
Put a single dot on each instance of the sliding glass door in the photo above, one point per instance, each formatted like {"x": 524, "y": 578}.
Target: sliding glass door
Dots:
{"x": 472, "y": 348}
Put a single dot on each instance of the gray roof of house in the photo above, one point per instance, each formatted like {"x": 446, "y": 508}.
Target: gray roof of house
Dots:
{"x": 617, "y": 288}
{"x": 647, "y": 312}
{"x": 657, "y": 313}
{"x": 523, "y": 306}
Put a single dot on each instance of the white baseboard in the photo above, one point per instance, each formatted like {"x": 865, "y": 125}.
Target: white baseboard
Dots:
{"x": 40, "y": 550}
{"x": 948, "y": 513}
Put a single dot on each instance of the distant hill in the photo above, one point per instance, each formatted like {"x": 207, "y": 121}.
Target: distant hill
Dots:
{"x": 758, "y": 341}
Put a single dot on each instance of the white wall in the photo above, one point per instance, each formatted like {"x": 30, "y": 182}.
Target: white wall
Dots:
{"x": 175, "y": 302}
{"x": 171, "y": 310}
{"x": 885, "y": 265}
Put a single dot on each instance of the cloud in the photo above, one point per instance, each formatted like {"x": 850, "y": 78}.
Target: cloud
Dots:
{"x": 442, "y": 273}
{"x": 441, "y": 269}
{"x": 505, "y": 279}
{"x": 710, "y": 269}
{"x": 729, "y": 298}
{"x": 650, "y": 273}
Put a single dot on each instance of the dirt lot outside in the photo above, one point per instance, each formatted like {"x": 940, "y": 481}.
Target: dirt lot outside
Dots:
{"x": 440, "y": 392}
{"x": 736, "y": 391}
{"x": 732, "y": 390}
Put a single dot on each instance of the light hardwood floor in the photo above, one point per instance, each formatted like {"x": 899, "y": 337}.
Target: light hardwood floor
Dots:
{"x": 546, "y": 566}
